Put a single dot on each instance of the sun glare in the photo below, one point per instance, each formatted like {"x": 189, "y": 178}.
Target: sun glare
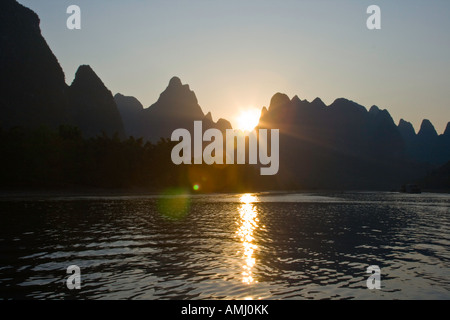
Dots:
{"x": 248, "y": 119}
{"x": 248, "y": 224}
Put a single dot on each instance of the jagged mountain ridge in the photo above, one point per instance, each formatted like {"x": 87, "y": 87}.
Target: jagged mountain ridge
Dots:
{"x": 93, "y": 106}
{"x": 177, "y": 107}
{"x": 343, "y": 126}
{"x": 33, "y": 91}
{"x": 426, "y": 145}
{"x": 32, "y": 83}
{"x": 337, "y": 146}
{"x": 342, "y": 145}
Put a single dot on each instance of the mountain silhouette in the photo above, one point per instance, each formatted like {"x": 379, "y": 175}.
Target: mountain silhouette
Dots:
{"x": 177, "y": 107}
{"x": 344, "y": 126}
{"x": 93, "y": 107}
{"x": 426, "y": 146}
{"x": 446, "y": 133}
{"x": 337, "y": 146}
{"x": 32, "y": 84}
{"x": 406, "y": 129}
{"x": 33, "y": 91}
{"x": 131, "y": 111}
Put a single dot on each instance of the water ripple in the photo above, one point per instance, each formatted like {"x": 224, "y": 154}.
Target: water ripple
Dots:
{"x": 260, "y": 246}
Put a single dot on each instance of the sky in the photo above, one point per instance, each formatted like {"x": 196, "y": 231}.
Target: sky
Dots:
{"x": 236, "y": 54}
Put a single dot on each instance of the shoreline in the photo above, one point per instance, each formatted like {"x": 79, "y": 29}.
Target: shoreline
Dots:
{"x": 99, "y": 192}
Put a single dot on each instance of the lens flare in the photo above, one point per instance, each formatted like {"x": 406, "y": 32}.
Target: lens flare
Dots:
{"x": 174, "y": 204}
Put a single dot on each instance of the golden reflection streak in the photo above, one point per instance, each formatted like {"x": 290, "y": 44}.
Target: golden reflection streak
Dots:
{"x": 247, "y": 224}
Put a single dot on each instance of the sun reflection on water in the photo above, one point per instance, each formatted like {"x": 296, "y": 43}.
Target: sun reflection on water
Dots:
{"x": 248, "y": 222}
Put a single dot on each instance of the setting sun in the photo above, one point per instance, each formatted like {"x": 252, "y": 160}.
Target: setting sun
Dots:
{"x": 248, "y": 119}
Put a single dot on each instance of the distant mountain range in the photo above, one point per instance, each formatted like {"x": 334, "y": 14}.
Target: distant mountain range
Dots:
{"x": 342, "y": 145}
{"x": 339, "y": 146}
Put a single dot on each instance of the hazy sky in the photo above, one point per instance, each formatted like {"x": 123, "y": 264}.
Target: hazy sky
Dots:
{"x": 237, "y": 54}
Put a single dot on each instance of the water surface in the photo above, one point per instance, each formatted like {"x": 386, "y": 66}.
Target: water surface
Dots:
{"x": 234, "y": 246}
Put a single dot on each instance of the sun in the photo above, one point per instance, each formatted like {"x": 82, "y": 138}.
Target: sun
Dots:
{"x": 248, "y": 119}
